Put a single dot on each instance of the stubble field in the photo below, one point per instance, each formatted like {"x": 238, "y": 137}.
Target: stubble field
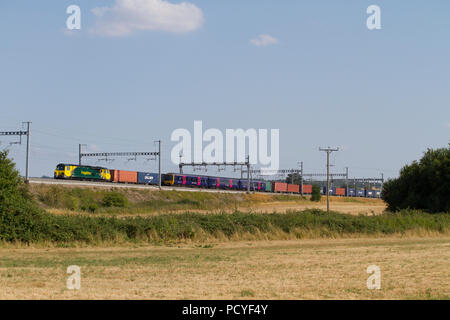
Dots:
{"x": 411, "y": 268}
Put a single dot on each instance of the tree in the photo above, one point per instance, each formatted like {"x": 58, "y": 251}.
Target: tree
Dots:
{"x": 315, "y": 195}
{"x": 19, "y": 216}
{"x": 294, "y": 178}
{"x": 11, "y": 184}
{"x": 423, "y": 184}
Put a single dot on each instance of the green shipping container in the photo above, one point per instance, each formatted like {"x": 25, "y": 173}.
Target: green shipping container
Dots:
{"x": 268, "y": 186}
{"x": 87, "y": 173}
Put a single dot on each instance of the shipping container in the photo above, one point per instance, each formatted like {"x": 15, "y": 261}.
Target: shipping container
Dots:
{"x": 360, "y": 193}
{"x": 339, "y": 191}
{"x": 124, "y": 176}
{"x": 147, "y": 178}
{"x": 280, "y": 187}
{"x": 370, "y": 193}
{"x": 351, "y": 192}
{"x": 268, "y": 186}
{"x": 307, "y": 189}
{"x": 293, "y": 188}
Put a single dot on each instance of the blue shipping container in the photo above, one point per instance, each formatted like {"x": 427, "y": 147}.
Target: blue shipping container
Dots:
{"x": 351, "y": 192}
{"x": 370, "y": 193}
{"x": 148, "y": 178}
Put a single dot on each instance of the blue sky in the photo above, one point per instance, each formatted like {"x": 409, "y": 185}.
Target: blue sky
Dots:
{"x": 382, "y": 95}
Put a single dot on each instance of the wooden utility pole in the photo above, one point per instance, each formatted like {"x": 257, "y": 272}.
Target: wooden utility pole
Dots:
{"x": 328, "y": 151}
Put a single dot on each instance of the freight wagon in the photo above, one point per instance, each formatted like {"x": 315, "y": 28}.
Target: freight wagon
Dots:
{"x": 279, "y": 187}
{"x": 293, "y": 188}
{"x": 324, "y": 191}
{"x": 373, "y": 193}
{"x": 339, "y": 192}
{"x": 307, "y": 189}
{"x": 124, "y": 176}
{"x": 147, "y": 178}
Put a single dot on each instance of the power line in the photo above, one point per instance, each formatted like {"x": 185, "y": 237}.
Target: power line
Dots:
{"x": 221, "y": 164}
{"x": 122, "y": 154}
{"x": 22, "y": 133}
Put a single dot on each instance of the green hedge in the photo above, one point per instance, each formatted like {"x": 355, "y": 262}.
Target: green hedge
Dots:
{"x": 168, "y": 227}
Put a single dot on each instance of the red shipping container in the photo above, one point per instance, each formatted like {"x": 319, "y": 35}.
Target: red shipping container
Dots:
{"x": 307, "y": 188}
{"x": 294, "y": 188}
{"x": 279, "y": 187}
{"x": 123, "y": 176}
{"x": 114, "y": 175}
{"x": 340, "y": 191}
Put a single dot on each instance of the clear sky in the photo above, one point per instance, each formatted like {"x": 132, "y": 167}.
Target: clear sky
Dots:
{"x": 319, "y": 75}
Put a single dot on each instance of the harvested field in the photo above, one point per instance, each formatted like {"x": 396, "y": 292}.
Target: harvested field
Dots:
{"x": 411, "y": 268}
{"x": 342, "y": 205}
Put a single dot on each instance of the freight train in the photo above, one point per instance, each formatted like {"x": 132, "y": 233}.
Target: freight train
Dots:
{"x": 91, "y": 173}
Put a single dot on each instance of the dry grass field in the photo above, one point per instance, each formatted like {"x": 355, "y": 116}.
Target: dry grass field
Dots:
{"x": 411, "y": 268}
{"x": 339, "y": 204}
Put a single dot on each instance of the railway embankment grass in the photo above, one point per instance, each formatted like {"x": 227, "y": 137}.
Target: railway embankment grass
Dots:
{"x": 129, "y": 201}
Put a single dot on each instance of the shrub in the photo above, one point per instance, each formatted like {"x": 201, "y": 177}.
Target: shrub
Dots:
{"x": 115, "y": 199}
{"x": 20, "y": 218}
{"x": 315, "y": 196}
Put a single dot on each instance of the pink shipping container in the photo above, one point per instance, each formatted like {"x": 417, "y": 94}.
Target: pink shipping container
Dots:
{"x": 307, "y": 188}
{"x": 124, "y": 176}
{"x": 280, "y": 187}
{"x": 294, "y": 188}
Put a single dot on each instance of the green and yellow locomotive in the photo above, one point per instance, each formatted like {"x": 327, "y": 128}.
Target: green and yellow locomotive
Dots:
{"x": 76, "y": 172}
